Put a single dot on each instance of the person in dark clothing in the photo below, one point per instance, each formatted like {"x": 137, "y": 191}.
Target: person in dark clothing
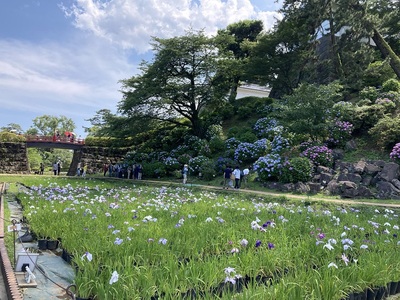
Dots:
{"x": 136, "y": 172}
{"x": 227, "y": 177}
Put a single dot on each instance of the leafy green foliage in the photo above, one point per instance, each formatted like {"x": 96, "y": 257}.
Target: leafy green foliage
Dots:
{"x": 34, "y": 159}
{"x": 154, "y": 169}
{"x": 6, "y": 136}
{"x": 369, "y": 93}
{"x": 47, "y": 125}
{"x": 297, "y": 169}
{"x": 184, "y": 80}
{"x": 309, "y": 108}
{"x": 365, "y": 117}
{"x": 391, "y": 85}
{"x": 386, "y": 132}
{"x": 377, "y": 73}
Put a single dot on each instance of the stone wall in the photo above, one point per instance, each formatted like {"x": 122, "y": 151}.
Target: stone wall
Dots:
{"x": 95, "y": 158}
{"x": 13, "y": 158}
{"x": 363, "y": 179}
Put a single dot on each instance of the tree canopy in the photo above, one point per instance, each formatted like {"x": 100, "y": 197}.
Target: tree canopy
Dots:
{"x": 47, "y": 125}
{"x": 182, "y": 85}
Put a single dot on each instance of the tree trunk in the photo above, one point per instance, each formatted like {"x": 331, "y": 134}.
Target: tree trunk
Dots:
{"x": 387, "y": 51}
{"x": 234, "y": 87}
{"x": 337, "y": 62}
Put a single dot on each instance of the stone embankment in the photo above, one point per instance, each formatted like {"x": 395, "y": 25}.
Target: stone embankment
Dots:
{"x": 364, "y": 179}
{"x": 13, "y": 158}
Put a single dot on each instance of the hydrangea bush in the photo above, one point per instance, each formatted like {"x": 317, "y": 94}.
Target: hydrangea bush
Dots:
{"x": 395, "y": 153}
{"x": 195, "y": 164}
{"x": 249, "y": 152}
{"x": 222, "y": 162}
{"x": 267, "y": 128}
{"x": 339, "y": 132}
{"x": 171, "y": 164}
{"x": 232, "y": 143}
{"x": 279, "y": 144}
{"x": 319, "y": 155}
{"x": 268, "y": 167}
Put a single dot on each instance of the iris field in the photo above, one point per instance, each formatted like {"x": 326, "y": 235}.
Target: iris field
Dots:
{"x": 145, "y": 242}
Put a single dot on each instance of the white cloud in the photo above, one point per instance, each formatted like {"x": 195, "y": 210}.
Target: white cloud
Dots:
{"x": 75, "y": 78}
{"x": 131, "y": 24}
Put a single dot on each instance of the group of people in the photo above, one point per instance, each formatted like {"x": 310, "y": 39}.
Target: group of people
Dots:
{"x": 134, "y": 171}
{"x": 235, "y": 178}
{"x": 81, "y": 170}
{"x": 56, "y": 167}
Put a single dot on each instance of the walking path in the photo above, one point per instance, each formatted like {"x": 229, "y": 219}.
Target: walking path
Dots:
{"x": 53, "y": 274}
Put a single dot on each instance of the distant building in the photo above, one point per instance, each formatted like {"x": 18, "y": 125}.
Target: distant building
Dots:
{"x": 254, "y": 90}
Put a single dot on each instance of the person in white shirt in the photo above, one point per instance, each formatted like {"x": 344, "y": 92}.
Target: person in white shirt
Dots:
{"x": 237, "y": 172}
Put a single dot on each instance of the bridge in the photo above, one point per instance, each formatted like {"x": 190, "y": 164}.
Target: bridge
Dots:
{"x": 62, "y": 142}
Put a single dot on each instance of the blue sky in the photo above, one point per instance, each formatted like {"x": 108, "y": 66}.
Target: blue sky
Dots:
{"x": 67, "y": 57}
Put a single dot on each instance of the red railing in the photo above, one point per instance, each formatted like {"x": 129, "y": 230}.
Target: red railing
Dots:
{"x": 54, "y": 139}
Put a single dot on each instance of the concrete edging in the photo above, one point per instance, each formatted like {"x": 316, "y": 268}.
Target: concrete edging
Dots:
{"x": 10, "y": 281}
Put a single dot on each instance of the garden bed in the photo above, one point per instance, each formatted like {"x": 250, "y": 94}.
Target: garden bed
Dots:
{"x": 142, "y": 242}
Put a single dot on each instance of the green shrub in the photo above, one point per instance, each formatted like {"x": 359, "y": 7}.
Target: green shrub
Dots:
{"x": 216, "y": 144}
{"x": 184, "y": 158}
{"x": 244, "y": 112}
{"x": 6, "y": 136}
{"x": 154, "y": 169}
{"x": 364, "y": 102}
{"x": 377, "y": 73}
{"x": 365, "y": 117}
{"x": 391, "y": 85}
{"x": 386, "y": 132}
{"x": 207, "y": 170}
{"x": 108, "y": 142}
{"x": 171, "y": 164}
{"x": 297, "y": 169}
{"x": 369, "y": 92}
{"x": 248, "y": 137}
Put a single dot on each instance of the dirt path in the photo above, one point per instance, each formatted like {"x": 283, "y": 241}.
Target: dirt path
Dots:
{"x": 287, "y": 195}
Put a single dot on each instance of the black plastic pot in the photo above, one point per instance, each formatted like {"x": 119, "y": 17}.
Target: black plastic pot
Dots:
{"x": 52, "y": 244}
{"x": 371, "y": 294}
{"x": 42, "y": 244}
{"x": 392, "y": 288}
{"x": 380, "y": 293}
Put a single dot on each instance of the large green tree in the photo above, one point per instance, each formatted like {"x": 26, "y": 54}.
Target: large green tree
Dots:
{"x": 279, "y": 58}
{"x": 349, "y": 24}
{"x": 238, "y": 38}
{"x": 323, "y": 41}
{"x": 182, "y": 85}
{"x": 47, "y": 125}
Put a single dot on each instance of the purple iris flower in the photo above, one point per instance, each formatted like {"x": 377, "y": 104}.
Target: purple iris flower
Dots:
{"x": 266, "y": 224}
{"x": 321, "y": 236}
{"x": 270, "y": 246}
{"x": 258, "y": 243}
